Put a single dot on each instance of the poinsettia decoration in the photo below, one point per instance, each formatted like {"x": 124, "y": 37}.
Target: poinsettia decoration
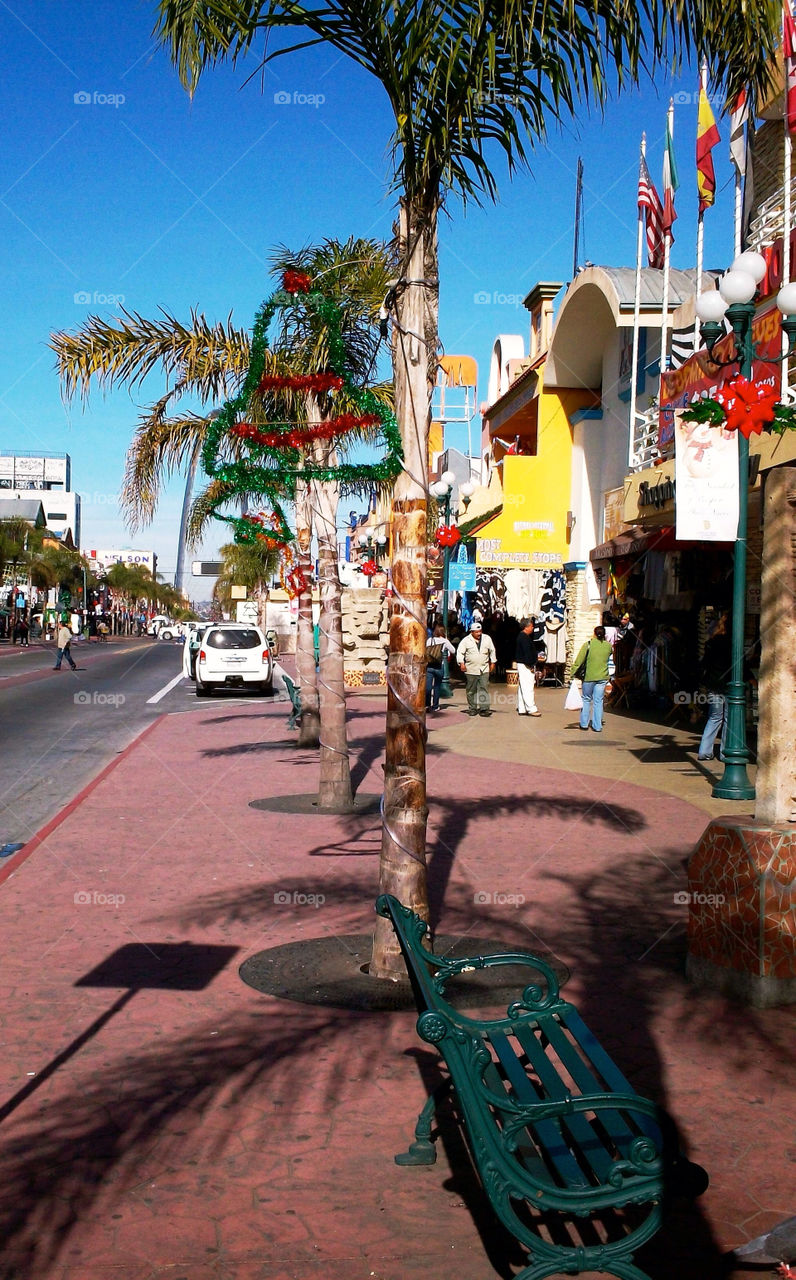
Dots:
{"x": 296, "y": 282}
{"x": 448, "y": 535}
{"x": 369, "y": 567}
{"x": 741, "y": 405}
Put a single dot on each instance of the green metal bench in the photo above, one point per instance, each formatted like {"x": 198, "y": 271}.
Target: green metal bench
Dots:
{"x": 574, "y": 1162}
{"x": 295, "y": 702}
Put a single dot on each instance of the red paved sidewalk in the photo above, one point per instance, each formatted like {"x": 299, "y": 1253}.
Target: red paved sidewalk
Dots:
{"x": 179, "y": 1124}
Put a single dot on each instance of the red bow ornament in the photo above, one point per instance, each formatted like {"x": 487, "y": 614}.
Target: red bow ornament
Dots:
{"x": 369, "y": 567}
{"x": 448, "y": 535}
{"x": 296, "y": 281}
{"x": 749, "y": 406}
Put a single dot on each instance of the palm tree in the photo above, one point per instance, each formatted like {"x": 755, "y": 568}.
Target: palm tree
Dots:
{"x": 460, "y": 76}
{"x": 355, "y": 275}
{"x": 198, "y": 359}
{"x": 247, "y": 565}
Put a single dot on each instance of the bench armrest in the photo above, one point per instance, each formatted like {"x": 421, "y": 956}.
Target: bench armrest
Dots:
{"x": 430, "y": 973}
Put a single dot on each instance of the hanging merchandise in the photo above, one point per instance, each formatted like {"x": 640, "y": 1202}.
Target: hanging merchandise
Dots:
{"x": 553, "y": 605}
{"x": 281, "y": 452}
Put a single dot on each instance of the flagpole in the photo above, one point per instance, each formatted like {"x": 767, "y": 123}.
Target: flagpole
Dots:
{"x": 667, "y": 244}
{"x": 631, "y": 447}
{"x": 700, "y": 243}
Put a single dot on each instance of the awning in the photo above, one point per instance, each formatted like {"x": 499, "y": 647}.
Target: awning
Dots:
{"x": 635, "y": 542}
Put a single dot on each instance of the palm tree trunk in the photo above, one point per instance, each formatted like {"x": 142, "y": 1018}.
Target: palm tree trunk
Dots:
{"x": 402, "y": 870}
{"x": 310, "y": 723}
{"x": 334, "y": 787}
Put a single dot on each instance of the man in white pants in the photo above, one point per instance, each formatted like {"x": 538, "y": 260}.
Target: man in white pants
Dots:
{"x": 526, "y": 656}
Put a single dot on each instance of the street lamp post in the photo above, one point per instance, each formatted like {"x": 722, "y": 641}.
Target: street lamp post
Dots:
{"x": 735, "y": 299}
{"x": 442, "y": 491}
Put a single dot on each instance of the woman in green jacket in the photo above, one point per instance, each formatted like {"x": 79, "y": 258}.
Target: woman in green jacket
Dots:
{"x": 597, "y": 653}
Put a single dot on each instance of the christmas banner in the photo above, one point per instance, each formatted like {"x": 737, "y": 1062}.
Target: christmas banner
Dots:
{"x": 706, "y": 471}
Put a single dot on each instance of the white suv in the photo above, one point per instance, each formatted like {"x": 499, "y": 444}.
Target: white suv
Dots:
{"x": 233, "y": 655}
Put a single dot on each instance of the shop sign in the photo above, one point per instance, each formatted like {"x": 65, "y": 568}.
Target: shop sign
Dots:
{"x": 461, "y": 577}
{"x": 699, "y": 373}
{"x": 753, "y": 598}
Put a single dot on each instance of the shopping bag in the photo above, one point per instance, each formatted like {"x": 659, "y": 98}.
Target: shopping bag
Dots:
{"x": 573, "y": 700}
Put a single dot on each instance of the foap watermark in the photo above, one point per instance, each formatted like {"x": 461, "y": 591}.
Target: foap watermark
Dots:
{"x": 682, "y": 98}
{"x": 683, "y": 899}
{"x": 86, "y": 699}
{"x": 297, "y": 899}
{"x": 494, "y": 95}
{"x": 485, "y": 298}
{"x": 484, "y": 898}
{"x": 682, "y": 698}
{"x": 86, "y": 298}
{"x": 100, "y": 499}
{"x": 284, "y": 98}
{"x": 94, "y": 898}
{"x": 93, "y": 98}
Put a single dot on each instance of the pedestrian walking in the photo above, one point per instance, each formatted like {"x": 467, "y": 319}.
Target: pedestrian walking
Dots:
{"x": 476, "y": 658}
{"x": 63, "y": 640}
{"x": 21, "y": 631}
{"x": 714, "y": 674}
{"x": 437, "y": 646}
{"x": 526, "y": 655}
{"x": 596, "y": 654}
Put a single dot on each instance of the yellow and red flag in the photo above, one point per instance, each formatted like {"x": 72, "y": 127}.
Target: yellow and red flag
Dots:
{"x": 707, "y": 137}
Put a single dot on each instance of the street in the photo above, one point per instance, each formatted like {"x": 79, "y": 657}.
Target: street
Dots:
{"x": 59, "y": 729}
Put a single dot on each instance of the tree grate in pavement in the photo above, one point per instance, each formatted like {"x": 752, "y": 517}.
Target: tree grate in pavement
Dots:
{"x": 333, "y": 971}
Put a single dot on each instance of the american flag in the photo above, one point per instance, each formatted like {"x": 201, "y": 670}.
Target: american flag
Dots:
{"x": 650, "y": 201}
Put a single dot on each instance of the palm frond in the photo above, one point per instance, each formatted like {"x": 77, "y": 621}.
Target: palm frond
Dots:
{"x": 161, "y": 445}
{"x": 467, "y": 73}
{"x": 203, "y": 358}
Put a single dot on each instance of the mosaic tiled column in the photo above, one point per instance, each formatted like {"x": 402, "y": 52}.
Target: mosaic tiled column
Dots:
{"x": 742, "y": 911}
{"x": 742, "y": 876}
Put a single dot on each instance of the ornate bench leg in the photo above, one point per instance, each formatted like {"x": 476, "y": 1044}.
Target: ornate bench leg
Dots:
{"x": 624, "y": 1270}
{"x": 422, "y": 1150}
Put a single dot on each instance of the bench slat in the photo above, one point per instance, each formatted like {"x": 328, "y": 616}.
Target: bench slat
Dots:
{"x": 584, "y": 1137}
{"x": 608, "y": 1069}
{"x": 613, "y": 1121}
{"x": 548, "y": 1131}
{"x": 533, "y": 1163}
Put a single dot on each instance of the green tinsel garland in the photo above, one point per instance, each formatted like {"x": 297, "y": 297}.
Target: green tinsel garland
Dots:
{"x": 277, "y": 481}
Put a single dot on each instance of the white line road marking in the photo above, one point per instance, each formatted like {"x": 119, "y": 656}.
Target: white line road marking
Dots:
{"x": 161, "y": 693}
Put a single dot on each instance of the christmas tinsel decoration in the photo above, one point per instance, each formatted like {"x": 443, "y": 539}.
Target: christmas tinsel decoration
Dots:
{"x": 278, "y": 450}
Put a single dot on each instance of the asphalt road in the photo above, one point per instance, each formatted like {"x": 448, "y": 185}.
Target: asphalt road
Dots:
{"x": 58, "y": 729}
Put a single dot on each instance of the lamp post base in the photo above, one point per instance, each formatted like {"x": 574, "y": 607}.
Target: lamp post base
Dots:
{"x": 734, "y": 784}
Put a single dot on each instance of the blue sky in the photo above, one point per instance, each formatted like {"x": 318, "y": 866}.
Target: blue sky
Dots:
{"x": 114, "y": 185}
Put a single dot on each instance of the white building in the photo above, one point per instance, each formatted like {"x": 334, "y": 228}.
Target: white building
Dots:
{"x": 48, "y": 477}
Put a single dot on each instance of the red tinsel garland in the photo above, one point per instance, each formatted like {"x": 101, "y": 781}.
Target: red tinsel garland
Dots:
{"x": 296, "y": 281}
{"x": 448, "y": 535}
{"x": 300, "y": 382}
{"x": 749, "y": 406}
{"x": 297, "y": 436}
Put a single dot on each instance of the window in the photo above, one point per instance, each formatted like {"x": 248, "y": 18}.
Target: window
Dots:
{"x": 244, "y": 639}
{"x": 57, "y": 515}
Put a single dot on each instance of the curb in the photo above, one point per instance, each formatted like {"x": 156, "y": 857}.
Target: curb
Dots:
{"x": 30, "y": 847}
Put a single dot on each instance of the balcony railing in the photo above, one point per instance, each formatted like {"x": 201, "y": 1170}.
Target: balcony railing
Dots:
{"x": 646, "y": 451}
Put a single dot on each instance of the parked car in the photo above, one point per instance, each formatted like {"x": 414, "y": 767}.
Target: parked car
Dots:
{"x": 233, "y": 655}
{"x": 190, "y": 650}
{"x": 156, "y": 624}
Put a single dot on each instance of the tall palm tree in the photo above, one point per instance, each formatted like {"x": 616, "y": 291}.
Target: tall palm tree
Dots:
{"x": 198, "y": 359}
{"x": 460, "y": 76}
